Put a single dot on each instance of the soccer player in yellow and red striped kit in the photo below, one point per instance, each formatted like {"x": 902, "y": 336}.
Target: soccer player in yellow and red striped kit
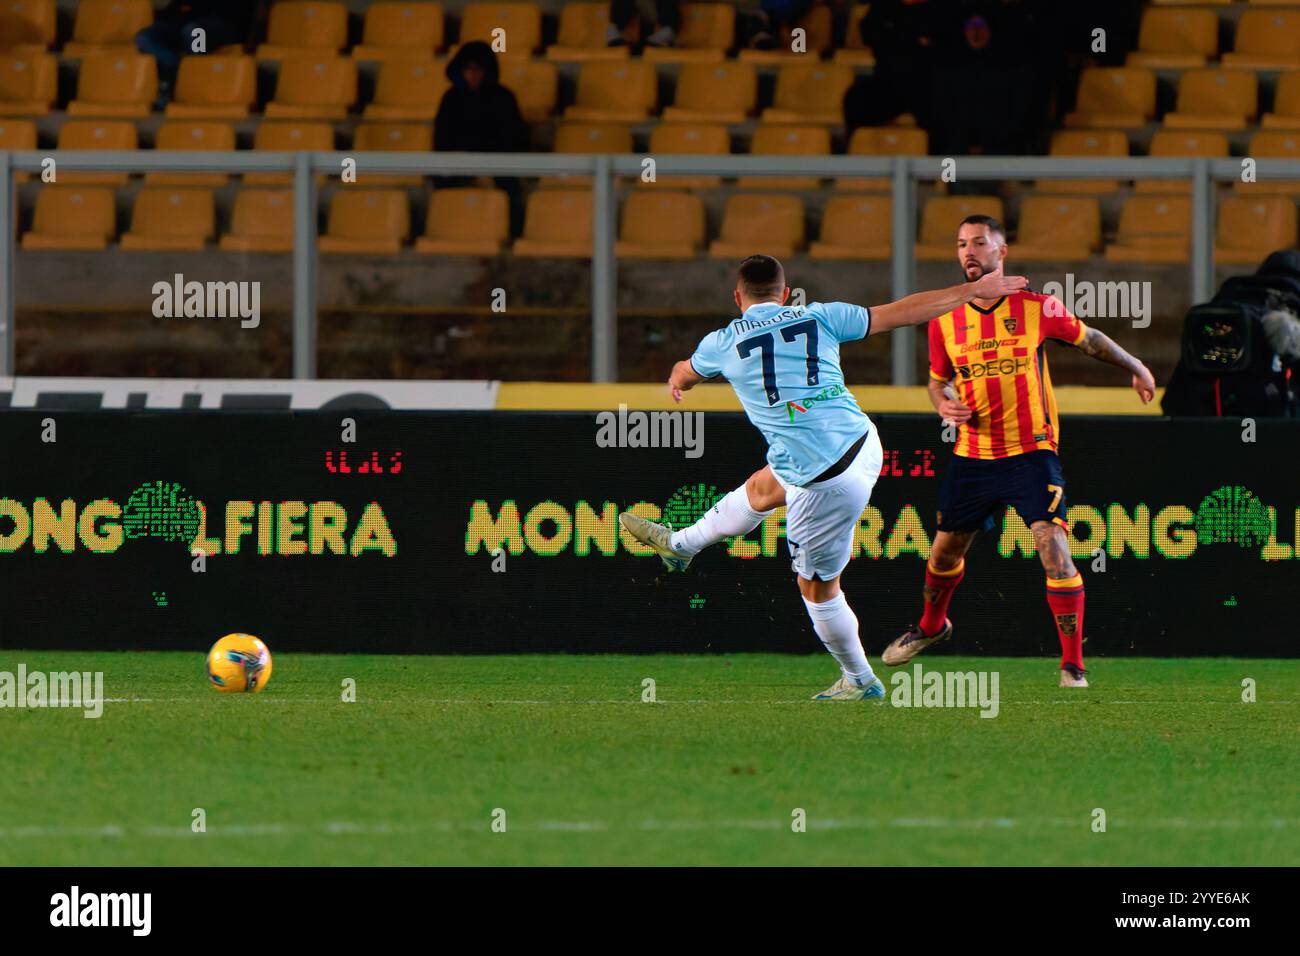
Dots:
{"x": 988, "y": 374}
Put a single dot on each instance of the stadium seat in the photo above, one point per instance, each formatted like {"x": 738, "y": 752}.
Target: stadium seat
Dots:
{"x": 759, "y": 221}
{"x": 536, "y": 86}
{"x": 289, "y": 137}
{"x": 407, "y": 30}
{"x": 392, "y": 137}
{"x": 615, "y": 92}
{"x": 1152, "y": 229}
{"x": 587, "y": 138}
{"x": 1058, "y": 229}
{"x": 668, "y": 139}
{"x": 1168, "y": 142}
{"x": 216, "y": 86}
{"x": 115, "y": 84}
{"x": 939, "y": 221}
{"x": 167, "y": 218}
{"x": 408, "y": 89}
{"x": 1114, "y": 98}
{"x": 81, "y": 218}
{"x": 192, "y": 135}
{"x": 466, "y": 222}
{"x": 314, "y": 88}
{"x": 298, "y": 28}
{"x": 1176, "y": 39}
{"x": 27, "y": 26}
{"x": 661, "y": 225}
{"x": 261, "y": 221}
{"x": 714, "y": 93}
{"x": 18, "y": 134}
{"x": 1078, "y": 142}
{"x": 810, "y": 93}
{"x": 787, "y": 141}
{"x": 107, "y": 26}
{"x": 1266, "y": 40}
{"x": 856, "y": 227}
{"x": 882, "y": 141}
{"x": 367, "y": 221}
{"x": 1286, "y": 103}
{"x": 1251, "y": 228}
{"x": 708, "y": 31}
{"x": 98, "y": 135}
{"x": 817, "y": 25}
{"x": 521, "y": 24}
{"x": 28, "y": 84}
{"x": 855, "y": 52}
{"x": 1273, "y": 144}
{"x": 557, "y": 224}
{"x": 582, "y": 35}
{"x": 1214, "y": 99}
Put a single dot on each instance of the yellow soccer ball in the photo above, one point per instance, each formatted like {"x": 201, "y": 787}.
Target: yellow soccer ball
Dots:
{"x": 239, "y": 663}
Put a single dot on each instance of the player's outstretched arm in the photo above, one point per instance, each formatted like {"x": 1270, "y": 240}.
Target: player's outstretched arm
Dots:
{"x": 1102, "y": 347}
{"x": 923, "y": 306}
{"x": 683, "y": 379}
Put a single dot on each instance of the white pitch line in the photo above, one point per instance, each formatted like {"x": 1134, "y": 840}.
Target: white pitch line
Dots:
{"x": 699, "y": 702}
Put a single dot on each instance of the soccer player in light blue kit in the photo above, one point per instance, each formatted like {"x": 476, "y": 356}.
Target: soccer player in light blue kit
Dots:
{"x": 824, "y": 453}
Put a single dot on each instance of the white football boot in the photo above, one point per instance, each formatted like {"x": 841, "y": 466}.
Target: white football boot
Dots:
{"x": 847, "y": 689}
{"x": 1072, "y": 676}
{"x": 656, "y": 536}
{"x": 912, "y": 642}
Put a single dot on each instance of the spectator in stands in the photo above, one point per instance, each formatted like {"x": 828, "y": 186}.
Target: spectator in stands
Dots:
{"x": 776, "y": 22}
{"x": 664, "y": 15}
{"x": 901, "y": 34}
{"x": 175, "y": 33}
{"x": 479, "y": 115}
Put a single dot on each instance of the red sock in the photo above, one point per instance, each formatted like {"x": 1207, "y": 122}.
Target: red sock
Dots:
{"x": 1065, "y": 595}
{"x": 940, "y": 584}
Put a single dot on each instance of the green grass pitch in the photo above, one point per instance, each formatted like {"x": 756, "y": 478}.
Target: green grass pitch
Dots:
{"x": 712, "y": 773}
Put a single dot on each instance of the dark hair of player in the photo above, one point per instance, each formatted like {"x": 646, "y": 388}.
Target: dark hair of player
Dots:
{"x": 979, "y": 219}
{"x": 761, "y": 277}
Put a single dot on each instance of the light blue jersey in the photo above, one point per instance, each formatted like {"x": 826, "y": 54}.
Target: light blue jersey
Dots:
{"x": 784, "y": 363}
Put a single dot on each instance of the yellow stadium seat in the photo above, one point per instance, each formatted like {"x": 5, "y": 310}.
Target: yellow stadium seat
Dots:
{"x": 882, "y": 141}
{"x": 535, "y": 84}
{"x": 615, "y": 92}
{"x": 661, "y": 225}
{"x": 557, "y": 224}
{"x": 28, "y": 84}
{"x": 817, "y": 25}
{"x": 582, "y": 35}
{"x": 365, "y": 221}
{"x": 314, "y": 88}
{"x": 73, "y": 217}
{"x": 170, "y": 218}
{"x": 18, "y": 134}
{"x": 810, "y": 93}
{"x": 392, "y": 137}
{"x": 289, "y": 137}
{"x": 192, "y": 135}
{"x": 787, "y": 141}
{"x": 401, "y": 30}
{"x": 1286, "y": 103}
{"x": 1079, "y": 142}
{"x": 669, "y": 139}
{"x": 1120, "y": 97}
{"x": 1058, "y": 229}
{"x": 1152, "y": 229}
{"x": 707, "y": 32}
{"x": 298, "y": 28}
{"x": 856, "y": 227}
{"x": 107, "y": 26}
{"x": 940, "y": 219}
{"x": 714, "y": 93}
{"x": 1266, "y": 40}
{"x": 215, "y": 86}
{"x": 98, "y": 135}
{"x": 587, "y": 138}
{"x": 27, "y": 26}
{"x": 1169, "y": 142}
{"x": 115, "y": 84}
{"x": 759, "y": 222}
{"x": 521, "y": 23}
{"x": 855, "y": 52}
{"x": 1176, "y": 39}
{"x": 408, "y": 89}
{"x": 1273, "y": 144}
{"x": 1215, "y": 99}
{"x": 262, "y": 221}
{"x": 466, "y": 222}
{"x": 1251, "y": 228}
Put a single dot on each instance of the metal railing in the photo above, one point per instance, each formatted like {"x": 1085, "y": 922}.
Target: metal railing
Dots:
{"x": 904, "y": 172}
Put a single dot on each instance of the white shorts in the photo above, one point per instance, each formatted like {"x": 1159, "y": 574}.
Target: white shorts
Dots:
{"x": 822, "y": 518}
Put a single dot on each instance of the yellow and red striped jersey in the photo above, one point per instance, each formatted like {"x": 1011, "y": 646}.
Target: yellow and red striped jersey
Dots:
{"x": 997, "y": 362}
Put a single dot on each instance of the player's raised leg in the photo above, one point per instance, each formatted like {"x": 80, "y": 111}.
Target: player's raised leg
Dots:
{"x": 1064, "y": 596}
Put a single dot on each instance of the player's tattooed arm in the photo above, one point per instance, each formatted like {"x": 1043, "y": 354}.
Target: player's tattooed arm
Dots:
{"x": 683, "y": 379}
{"x": 1102, "y": 347}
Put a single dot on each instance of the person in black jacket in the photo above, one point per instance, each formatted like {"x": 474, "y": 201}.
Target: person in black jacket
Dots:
{"x": 172, "y": 35}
